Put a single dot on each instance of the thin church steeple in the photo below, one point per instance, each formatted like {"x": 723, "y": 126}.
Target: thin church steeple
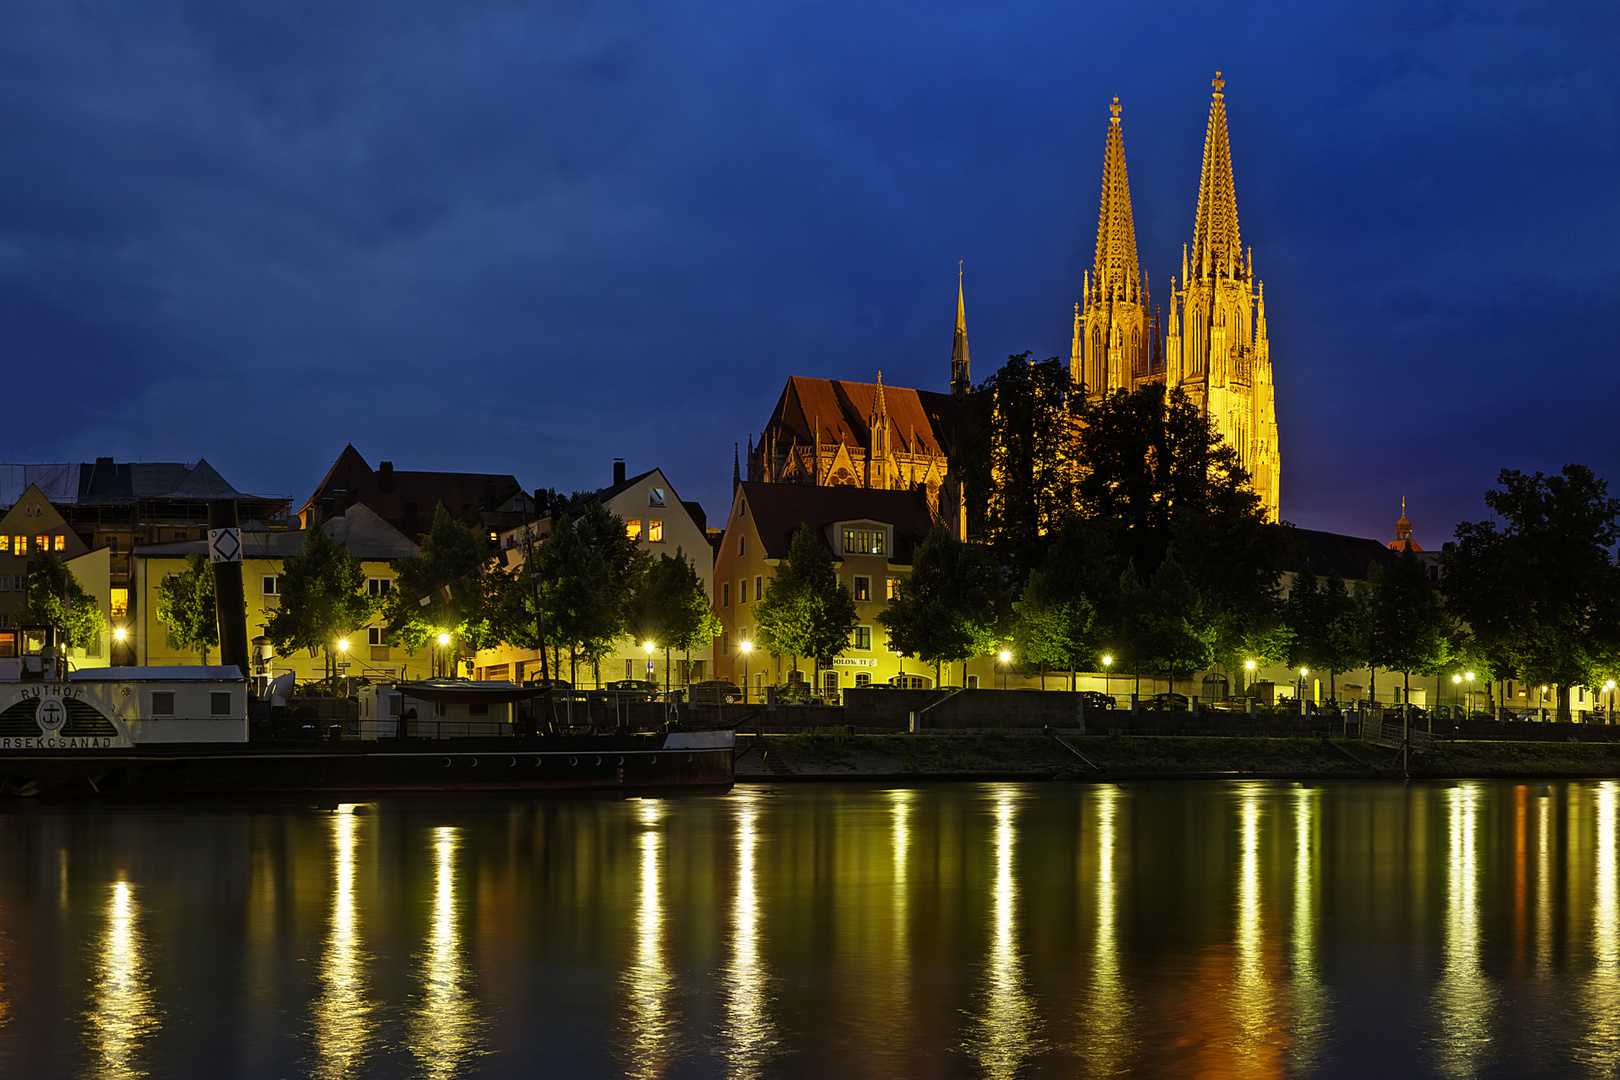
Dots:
{"x": 961, "y": 375}
{"x": 1217, "y": 247}
{"x": 1115, "y": 273}
{"x": 1110, "y": 349}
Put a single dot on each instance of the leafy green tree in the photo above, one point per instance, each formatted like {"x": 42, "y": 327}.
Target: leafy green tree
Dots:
{"x": 673, "y": 610}
{"x": 1019, "y": 463}
{"x": 1165, "y": 626}
{"x": 186, "y": 607}
{"x": 322, "y": 598}
{"x": 1408, "y": 628}
{"x": 1058, "y": 621}
{"x": 450, "y": 575}
{"x": 1541, "y": 592}
{"x": 55, "y": 598}
{"x": 807, "y": 611}
{"x": 589, "y": 572}
{"x": 947, "y": 610}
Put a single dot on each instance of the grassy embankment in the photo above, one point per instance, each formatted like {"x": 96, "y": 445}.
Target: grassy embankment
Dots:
{"x": 837, "y": 755}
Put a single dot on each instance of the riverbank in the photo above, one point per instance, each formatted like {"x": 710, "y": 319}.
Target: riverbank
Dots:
{"x": 1037, "y": 757}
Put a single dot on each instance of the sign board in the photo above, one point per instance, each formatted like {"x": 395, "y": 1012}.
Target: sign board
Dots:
{"x": 224, "y": 545}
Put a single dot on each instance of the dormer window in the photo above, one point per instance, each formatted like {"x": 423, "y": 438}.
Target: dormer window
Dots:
{"x": 863, "y": 542}
{"x": 655, "y": 496}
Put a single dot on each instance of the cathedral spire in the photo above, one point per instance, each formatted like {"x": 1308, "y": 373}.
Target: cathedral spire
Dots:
{"x": 1217, "y": 248}
{"x": 1116, "y": 265}
{"x": 961, "y": 378}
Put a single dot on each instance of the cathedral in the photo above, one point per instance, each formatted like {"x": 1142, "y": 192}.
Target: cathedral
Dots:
{"x": 1213, "y": 345}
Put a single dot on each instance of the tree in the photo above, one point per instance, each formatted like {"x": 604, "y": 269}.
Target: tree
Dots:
{"x": 56, "y": 599}
{"x": 186, "y": 607}
{"x": 947, "y": 609}
{"x": 589, "y": 572}
{"x": 1165, "y": 626}
{"x": 673, "y": 610}
{"x": 1541, "y": 591}
{"x": 1408, "y": 629}
{"x": 322, "y": 600}
{"x": 449, "y": 576}
{"x": 1019, "y": 464}
{"x": 1058, "y": 621}
{"x": 807, "y": 611}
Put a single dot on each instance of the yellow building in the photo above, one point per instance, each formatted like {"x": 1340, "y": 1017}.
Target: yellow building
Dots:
{"x": 34, "y": 525}
{"x": 359, "y": 531}
{"x": 1216, "y": 348}
{"x": 871, "y": 536}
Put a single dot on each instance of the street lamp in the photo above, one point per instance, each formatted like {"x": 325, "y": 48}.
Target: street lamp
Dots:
{"x": 444, "y": 655}
{"x": 1108, "y": 676}
{"x": 1456, "y": 682}
{"x": 1005, "y": 656}
{"x": 647, "y": 647}
{"x": 1248, "y": 667}
{"x": 1609, "y": 686}
{"x": 119, "y": 634}
{"x": 746, "y": 647}
{"x": 1304, "y": 673}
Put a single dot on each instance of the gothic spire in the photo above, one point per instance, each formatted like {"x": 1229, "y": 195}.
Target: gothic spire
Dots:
{"x": 1116, "y": 267}
{"x": 1217, "y": 248}
{"x": 961, "y": 377}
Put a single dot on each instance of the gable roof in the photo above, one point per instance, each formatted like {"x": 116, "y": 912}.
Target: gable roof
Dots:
{"x": 1325, "y": 552}
{"x": 920, "y": 421}
{"x": 779, "y": 509}
{"x": 392, "y": 492}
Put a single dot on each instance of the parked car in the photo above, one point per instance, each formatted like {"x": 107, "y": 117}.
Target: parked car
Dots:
{"x": 1095, "y": 699}
{"x": 1171, "y": 702}
{"x": 714, "y": 692}
{"x": 550, "y": 684}
{"x": 644, "y": 687}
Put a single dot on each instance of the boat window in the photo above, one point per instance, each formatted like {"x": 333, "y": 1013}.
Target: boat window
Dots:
{"x": 162, "y": 703}
{"x": 219, "y": 704}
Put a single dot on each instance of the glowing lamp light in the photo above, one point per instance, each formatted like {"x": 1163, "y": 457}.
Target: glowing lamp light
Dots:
{"x": 1005, "y": 656}
{"x": 119, "y": 634}
{"x": 1456, "y": 678}
{"x": 444, "y": 639}
{"x": 1248, "y": 665}
{"x": 648, "y": 646}
{"x": 1304, "y": 671}
{"x": 343, "y": 644}
{"x": 1107, "y": 661}
{"x": 1609, "y": 685}
{"x": 746, "y": 646}
{"x": 1469, "y": 675}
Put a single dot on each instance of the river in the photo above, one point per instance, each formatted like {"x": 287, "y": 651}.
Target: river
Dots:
{"x": 1244, "y": 929}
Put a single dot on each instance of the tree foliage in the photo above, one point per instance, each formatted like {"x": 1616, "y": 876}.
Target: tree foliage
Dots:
{"x": 672, "y": 609}
{"x": 590, "y": 570}
{"x": 322, "y": 598}
{"x": 1056, "y": 621}
{"x": 806, "y": 611}
{"x": 55, "y": 598}
{"x": 1540, "y": 592}
{"x": 450, "y": 575}
{"x": 1019, "y": 463}
{"x": 947, "y": 610}
{"x": 186, "y": 608}
{"x": 1408, "y": 628}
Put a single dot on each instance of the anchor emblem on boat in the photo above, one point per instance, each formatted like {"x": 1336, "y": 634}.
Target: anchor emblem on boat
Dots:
{"x": 50, "y": 716}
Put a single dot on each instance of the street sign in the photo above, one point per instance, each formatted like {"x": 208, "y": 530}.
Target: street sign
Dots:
{"x": 224, "y": 545}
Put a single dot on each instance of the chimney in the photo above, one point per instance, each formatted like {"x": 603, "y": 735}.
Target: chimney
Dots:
{"x": 385, "y": 476}
{"x": 618, "y": 470}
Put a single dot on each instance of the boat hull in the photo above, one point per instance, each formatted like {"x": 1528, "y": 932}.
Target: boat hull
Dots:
{"x": 694, "y": 762}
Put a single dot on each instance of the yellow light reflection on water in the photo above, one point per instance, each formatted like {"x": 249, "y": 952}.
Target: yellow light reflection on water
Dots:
{"x": 750, "y": 1037}
{"x": 1601, "y": 1047}
{"x": 123, "y": 1014}
{"x": 1251, "y": 993}
{"x": 447, "y": 1031}
{"x": 1462, "y": 1000}
{"x": 652, "y": 1028}
{"x": 1108, "y": 1010}
{"x": 1007, "y": 1028}
{"x": 341, "y": 1014}
{"x": 1310, "y": 998}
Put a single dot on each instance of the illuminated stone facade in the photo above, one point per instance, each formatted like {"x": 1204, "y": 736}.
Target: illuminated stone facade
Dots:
{"x": 1215, "y": 345}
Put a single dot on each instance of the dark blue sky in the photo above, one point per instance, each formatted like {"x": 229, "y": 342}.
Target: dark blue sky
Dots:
{"x": 533, "y": 237}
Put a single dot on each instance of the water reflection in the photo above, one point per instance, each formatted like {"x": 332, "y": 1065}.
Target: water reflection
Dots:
{"x": 446, "y": 1033}
{"x": 1108, "y": 1008}
{"x": 1310, "y": 997}
{"x": 1601, "y": 1049}
{"x": 1007, "y": 1028}
{"x": 1251, "y": 990}
{"x": 750, "y": 1035}
{"x": 1462, "y": 1000}
{"x": 652, "y": 1028}
{"x": 124, "y": 1013}
{"x": 342, "y": 1014}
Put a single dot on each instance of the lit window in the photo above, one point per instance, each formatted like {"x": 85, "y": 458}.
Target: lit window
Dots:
{"x": 21, "y": 545}
{"x": 118, "y": 601}
{"x": 633, "y": 528}
{"x": 894, "y": 587}
{"x": 655, "y": 497}
{"x": 59, "y": 542}
{"x": 5, "y": 544}
{"x": 655, "y": 532}
{"x": 862, "y": 638}
{"x": 863, "y": 588}
{"x": 42, "y": 542}
{"x": 863, "y": 541}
